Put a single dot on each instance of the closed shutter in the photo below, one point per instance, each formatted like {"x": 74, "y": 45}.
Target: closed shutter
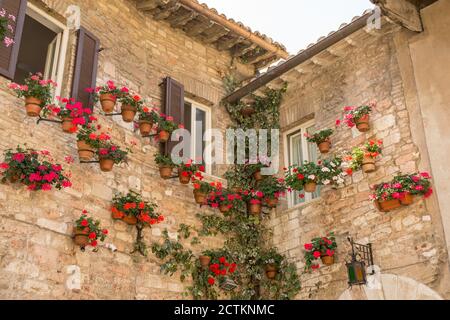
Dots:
{"x": 85, "y": 72}
{"x": 8, "y": 56}
{"x": 174, "y": 106}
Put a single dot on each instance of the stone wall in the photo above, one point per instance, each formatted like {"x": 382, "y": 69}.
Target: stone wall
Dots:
{"x": 37, "y": 257}
{"x": 407, "y": 242}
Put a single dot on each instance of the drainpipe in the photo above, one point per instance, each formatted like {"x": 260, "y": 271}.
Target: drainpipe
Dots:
{"x": 243, "y": 32}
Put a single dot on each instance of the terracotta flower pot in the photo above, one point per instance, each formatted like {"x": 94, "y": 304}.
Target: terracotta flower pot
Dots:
{"x": 224, "y": 208}
{"x": 184, "y": 179}
{"x": 67, "y": 125}
{"x": 199, "y": 197}
{"x": 116, "y": 216}
{"x": 85, "y": 151}
{"x": 390, "y": 205}
{"x": 310, "y": 187}
{"x": 254, "y": 208}
{"x": 236, "y": 189}
{"x": 327, "y": 260}
{"x": 129, "y": 219}
{"x": 80, "y": 237}
{"x": 14, "y": 178}
{"x": 247, "y": 111}
{"x": 165, "y": 172}
{"x": 106, "y": 164}
{"x": 164, "y": 136}
{"x": 363, "y": 124}
{"x": 272, "y": 202}
{"x": 108, "y": 102}
{"x": 257, "y": 175}
{"x": 324, "y": 147}
{"x": 33, "y": 106}
{"x": 368, "y": 165}
{"x": 128, "y": 113}
{"x": 271, "y": 271}
{"x": 145, "y": 127}
{"x": 407, "y": 200}
{"x": 204, "y": 261}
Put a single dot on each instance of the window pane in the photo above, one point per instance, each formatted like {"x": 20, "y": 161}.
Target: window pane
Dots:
{"x": 188, "y": 126}
{"x": 314, "y": 157}
{"x": 296, "y": 158}
{"x": 200, "y": 128}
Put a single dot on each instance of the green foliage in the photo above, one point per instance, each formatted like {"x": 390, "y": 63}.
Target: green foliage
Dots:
{"x": 319, "y": 247}
{"x": 163, "y": 160}
{"x": 320, "y": 136}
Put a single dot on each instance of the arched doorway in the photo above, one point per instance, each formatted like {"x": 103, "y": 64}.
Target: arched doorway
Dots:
{"x": 391, "y": 287}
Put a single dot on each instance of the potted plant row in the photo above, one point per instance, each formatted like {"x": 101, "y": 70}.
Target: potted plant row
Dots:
{"x": 321, "y": 247}
{"x": 34, "y": 169}
{"x": 401, "y": 191}
{"x": 87, "y": 231}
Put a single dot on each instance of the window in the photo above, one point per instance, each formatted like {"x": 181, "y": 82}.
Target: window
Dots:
{"x": 298, "y": 150}
{"x": 197, "y": 120}
{"x": 43, "y": 47}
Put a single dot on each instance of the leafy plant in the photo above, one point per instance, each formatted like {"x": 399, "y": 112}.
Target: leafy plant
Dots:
{"x": 355, "y": 159}
{"x": 353, "y": 114}
{"x": 414, "y": 184}
{"x": 147, "y": 114}
{"x": 318, "y": 247}
{"x": 272, "y": 187}
{"x": 107, "y": 150}
{"x": 298, "y": 176}
{"x": 163, "y": 160}
{"x": 331, "y": 172}
{"x": 132, "y": 204}
{"x": 320, "y": 136}
{"x": 35, "y": 86}
{"x": 92, "y": 228}
{"x": 165, "y": 123}
{"x": 131, "y": 100}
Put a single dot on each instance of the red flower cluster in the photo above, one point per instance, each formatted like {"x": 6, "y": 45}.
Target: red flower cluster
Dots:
{"x": 221, "y": 269}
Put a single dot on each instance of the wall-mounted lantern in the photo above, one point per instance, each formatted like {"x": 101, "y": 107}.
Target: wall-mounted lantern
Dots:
{"x": 361, "y": 258}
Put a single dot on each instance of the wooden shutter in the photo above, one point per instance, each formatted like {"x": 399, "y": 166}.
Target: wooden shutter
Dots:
{"x": 174, "y": 106}
{"x": 8, "y": 56}
{"x": 85, "y": 72}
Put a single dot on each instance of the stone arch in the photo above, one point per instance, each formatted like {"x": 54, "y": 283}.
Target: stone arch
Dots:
{"x": 392, "y": 287}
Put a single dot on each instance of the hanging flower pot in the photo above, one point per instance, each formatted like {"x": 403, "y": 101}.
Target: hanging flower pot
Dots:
{"x": 184, "y": 177}
{"x": 257, "y": 175}
{"x": 254, "y": 208}
{"x": 363, "y": 124}
{"x": 224, "y": 208}
{"x": 85, "y": 151}
{"x": 164, "y": 136}
{"x": 33, "y": 106}
{"x": 327, "y": 260}
{"x": 80, "y": 237}
{"x": 407, "y": 200}
{"x": 325, "y": 146}
{"x": 108, "y": 102}
{"x": 165, "y": 172}
{"x": 204, "y": 261}
{"x": 130, "y": 219}
{"x": 67, "y": 125}
{"x": 116, "y": 214}
{"x": 272, "y": 202}
{"x": 271, "y": 271}
{"x": 310, "y": 187}
{"x": 145, "y": 127}
{"x": 368, "y": 164}
{"x": 389, "y": 205}
{"x": 106, "y": 164}
{"x": 248, "y": 110}
{"x": 200, "y": 197}
{"x": 128, "y": 113}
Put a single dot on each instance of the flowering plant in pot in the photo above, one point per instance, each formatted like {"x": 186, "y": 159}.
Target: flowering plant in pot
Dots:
{"x": 304, "y": 177}
{"x": 110, "y": 154}
{"x": 331, "y": 172}
{"x": 36, "y": 91}
{"x": 321, "y": 138}
{"x": 87, "y": 231}
{"x": 134, "y": 210}
{"x": 187, "y": 170}
{"x": 254, "y": 199}
{"x": 107, "y": 94}
{"x": 387, "y": 196}
{"x": 417, "y": 184}
{"x": 220, "y": 268}
{"x": 147, "y": 117}
{"x": 364, "y": 157}
{"x": 7, "y": 22}
{"x": 165, "y": 127}
{"x": 34, "y": 169}
{"x": 130, "y": 105}
{"x": 202, "y": 189}
{"x": 165, "y": 164}
{"x": 89, "y": 140}
{"x": 254, "y": 166}
{"x": 358, "y": 116}
{"x": 223, "y": 199}
{"x": 272, "y": 188}
{"x": 272, "y": 261}
{"x": 322, "y": 247}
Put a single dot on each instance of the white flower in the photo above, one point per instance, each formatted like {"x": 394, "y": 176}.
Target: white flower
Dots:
{"x": 345, "y": 164}
{"x": 333, "y": 164}
{"x": 312, "y": 177}
{"x": 325, "y": 169}
{"x": 326, "y": 182}
{"x": 335, "y": 178}
{"x": 340, "y": 181}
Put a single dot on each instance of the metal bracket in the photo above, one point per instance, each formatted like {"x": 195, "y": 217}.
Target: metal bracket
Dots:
{"x": 92, "y": 161}
{"x": 150, "y": 135}
{"x": 112, "y": 114}
{"x": 48, "y": 120}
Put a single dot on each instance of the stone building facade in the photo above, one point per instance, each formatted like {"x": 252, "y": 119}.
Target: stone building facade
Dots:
{"x": 386, "y": 65}
{"x": 37, "y": 257}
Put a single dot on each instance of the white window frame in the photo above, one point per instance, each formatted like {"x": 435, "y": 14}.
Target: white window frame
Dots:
{"x": 194, "y": 106}
{"x": 302, "y": 129}
{"x": 60, "y": 28}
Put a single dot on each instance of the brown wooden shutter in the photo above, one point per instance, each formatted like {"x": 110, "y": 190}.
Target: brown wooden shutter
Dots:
{"x": 8, "y": 56}
{"x": 85, "y": 72}
{"x": 174, "y": 106}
